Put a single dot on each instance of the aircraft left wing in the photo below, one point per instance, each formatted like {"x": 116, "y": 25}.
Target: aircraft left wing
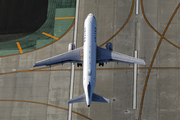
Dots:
{"x": 74, "y": 56}
{"x": 105, "y": 55}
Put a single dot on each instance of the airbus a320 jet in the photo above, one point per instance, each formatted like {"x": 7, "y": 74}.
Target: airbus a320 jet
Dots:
{"x": 89, "y": 55}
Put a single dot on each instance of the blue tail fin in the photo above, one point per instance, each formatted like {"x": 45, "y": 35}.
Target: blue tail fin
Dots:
{"x": 98, "y": 98}
{"x": 77, "y": 99}
{"x": 95, "y": 98}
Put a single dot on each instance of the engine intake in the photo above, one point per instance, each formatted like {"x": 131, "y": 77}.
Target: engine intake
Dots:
{"x": 101, "y": 64}
{"x": 79, "y": 64}
{"x": 109, "y": 46}
{"x": 71, "y": 47}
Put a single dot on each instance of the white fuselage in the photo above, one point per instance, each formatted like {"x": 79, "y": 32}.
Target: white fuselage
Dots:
{"x": 89, "y": 57}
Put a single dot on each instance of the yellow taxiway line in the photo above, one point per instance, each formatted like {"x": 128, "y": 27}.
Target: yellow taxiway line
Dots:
{"x": 154, "y": 56}
{"x": 19, "y": 47}
{"x": 50, "y": 35}
{"x": 64, "y": 18}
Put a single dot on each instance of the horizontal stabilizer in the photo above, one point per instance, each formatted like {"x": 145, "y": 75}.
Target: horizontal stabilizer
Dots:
{"x": 80, "y": 98}
{"x": 97, "y": 98}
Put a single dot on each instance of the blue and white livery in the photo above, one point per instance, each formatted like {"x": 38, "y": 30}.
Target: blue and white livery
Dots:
{"x": 89, "y": 55}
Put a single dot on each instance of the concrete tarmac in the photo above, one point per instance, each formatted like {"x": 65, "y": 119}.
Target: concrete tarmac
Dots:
{"x": 40, "y": 89}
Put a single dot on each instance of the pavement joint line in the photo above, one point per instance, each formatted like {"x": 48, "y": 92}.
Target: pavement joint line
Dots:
{"x": 19, "y": 47}
{"x": 162, "y": 36}
{"x": 40, "y": 103}
{"x": 50, "y": 36}
{"x": 62, "y": 18}
{"x": 132, "y": 7}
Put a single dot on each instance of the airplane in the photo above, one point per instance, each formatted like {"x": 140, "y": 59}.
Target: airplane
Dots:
{"x": 89, "y": 55}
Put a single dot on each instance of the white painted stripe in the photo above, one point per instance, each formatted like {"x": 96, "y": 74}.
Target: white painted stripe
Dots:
{"x": 76, "y": 22}
{"x": 73, "y": 65}
{"x": 137, "y": 6}
{"x": 135, "y": 85}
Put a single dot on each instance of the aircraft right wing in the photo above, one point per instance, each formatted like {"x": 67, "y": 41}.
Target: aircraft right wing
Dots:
{"x": 105, "y": 55}
{"x": 74, "y": 56}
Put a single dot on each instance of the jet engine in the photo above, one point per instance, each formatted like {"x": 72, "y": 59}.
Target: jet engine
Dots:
{"x": 109, "y": 46}
{"x": 79, "y": 64}
{"x": 71, "y": 47}
{"x": 101, "y": 64}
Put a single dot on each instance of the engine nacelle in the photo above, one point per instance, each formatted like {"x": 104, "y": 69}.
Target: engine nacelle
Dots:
{"x": 79, "y": 64}
{"x": 101, "y": 64}
{"x": 109, "y": 46}
{"x": 71, "y": 47}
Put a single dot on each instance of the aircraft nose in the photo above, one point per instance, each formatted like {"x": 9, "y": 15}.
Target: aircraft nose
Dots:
{"x": 91, "y": 18}
{"x": 90, "y": 14}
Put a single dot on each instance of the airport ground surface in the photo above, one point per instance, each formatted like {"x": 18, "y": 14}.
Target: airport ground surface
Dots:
{"x": 28, "y": 93}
